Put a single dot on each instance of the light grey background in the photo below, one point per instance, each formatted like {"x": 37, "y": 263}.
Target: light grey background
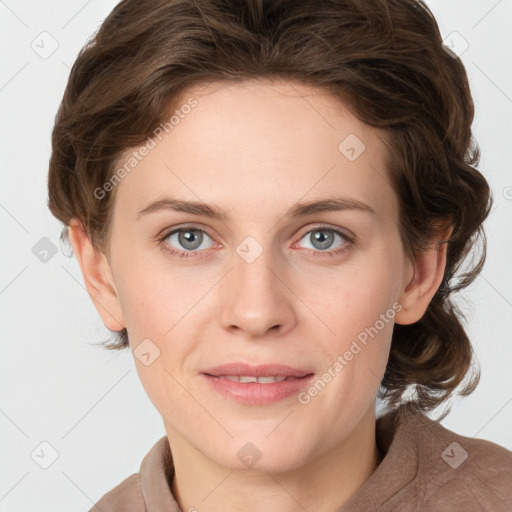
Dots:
{"x": 87, "y": 403}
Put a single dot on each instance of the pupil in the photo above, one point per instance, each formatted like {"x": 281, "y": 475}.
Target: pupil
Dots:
{"x": 323, "y": 242}
{"x": 190, "y": 239}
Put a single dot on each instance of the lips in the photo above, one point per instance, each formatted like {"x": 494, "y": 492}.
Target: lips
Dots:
{"x": 257, "y": 393}
{"x": 246, "y": 370}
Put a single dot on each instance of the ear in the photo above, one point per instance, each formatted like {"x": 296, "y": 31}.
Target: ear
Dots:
{"x": 428, "y": 272}
{"x": 97, "y": 277}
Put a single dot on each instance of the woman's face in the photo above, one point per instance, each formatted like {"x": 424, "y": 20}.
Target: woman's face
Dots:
{"x": 257, "y": 284}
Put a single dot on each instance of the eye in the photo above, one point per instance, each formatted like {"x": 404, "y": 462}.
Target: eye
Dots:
{"x": 180, "y": 242}
{"x": 322, "y": 238}
{"x": 191, "y": 241}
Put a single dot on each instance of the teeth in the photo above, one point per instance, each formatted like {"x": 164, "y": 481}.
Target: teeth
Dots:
{"x": 243, "y": 378}
{"x": 250, "y": 378}
{"x": 265, "y": 380}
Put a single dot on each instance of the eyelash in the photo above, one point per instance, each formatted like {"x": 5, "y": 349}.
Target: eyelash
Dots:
{"x": 316, "y": 253}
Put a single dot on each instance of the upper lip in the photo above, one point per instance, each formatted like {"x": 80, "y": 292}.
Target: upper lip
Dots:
{"x": 262, "y": 370}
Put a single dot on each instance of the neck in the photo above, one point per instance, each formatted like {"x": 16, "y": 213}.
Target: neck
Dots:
{"x": 322, "y": 484}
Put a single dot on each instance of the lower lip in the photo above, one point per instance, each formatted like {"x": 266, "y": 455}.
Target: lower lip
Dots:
{"x": 254, "y": 393}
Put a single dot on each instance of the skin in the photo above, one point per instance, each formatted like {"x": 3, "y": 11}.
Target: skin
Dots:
{"x": 255, "y": 149}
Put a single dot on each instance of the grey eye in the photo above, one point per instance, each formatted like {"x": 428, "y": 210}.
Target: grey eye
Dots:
{"x": 322, "y": 238}
{"x": 189, "y": 239}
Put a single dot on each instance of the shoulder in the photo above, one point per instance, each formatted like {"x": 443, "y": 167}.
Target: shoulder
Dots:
{"x": 125, "y": 497}
{"x": 459, "y": 471}
{"x": 146, "y": 490}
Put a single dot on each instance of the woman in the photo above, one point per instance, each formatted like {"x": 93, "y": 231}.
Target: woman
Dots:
{"x": 269, "y": 201}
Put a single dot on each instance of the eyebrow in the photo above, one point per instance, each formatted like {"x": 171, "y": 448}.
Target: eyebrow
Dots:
{"x": 332, "y": 204}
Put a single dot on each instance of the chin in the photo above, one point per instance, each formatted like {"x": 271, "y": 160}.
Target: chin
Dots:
{"x": 276, "y": 456}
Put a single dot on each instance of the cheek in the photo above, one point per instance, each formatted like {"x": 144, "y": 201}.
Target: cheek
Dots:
{"x": 355, "y": 318}
{"x": 152, "y": 297}
{"x": 158, "y": 310}
{"x": 345, "y": 301}
{"x": 354, "y": 359}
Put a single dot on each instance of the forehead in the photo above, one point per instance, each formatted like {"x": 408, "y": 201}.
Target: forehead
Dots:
{"x": 260, "y": 142}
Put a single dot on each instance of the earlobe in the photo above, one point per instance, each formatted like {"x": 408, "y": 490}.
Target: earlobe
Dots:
{"x": 97, "y": 276}
{"x": 427, "y": 275}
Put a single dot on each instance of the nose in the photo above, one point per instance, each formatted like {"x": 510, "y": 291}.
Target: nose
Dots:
{"x": 257, "y": 297}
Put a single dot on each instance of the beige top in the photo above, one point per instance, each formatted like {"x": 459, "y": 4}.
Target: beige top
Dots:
{"x": 425, "y": 467}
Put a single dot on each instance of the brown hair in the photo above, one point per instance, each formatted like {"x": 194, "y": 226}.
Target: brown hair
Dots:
{"x": 383, "y": 58}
